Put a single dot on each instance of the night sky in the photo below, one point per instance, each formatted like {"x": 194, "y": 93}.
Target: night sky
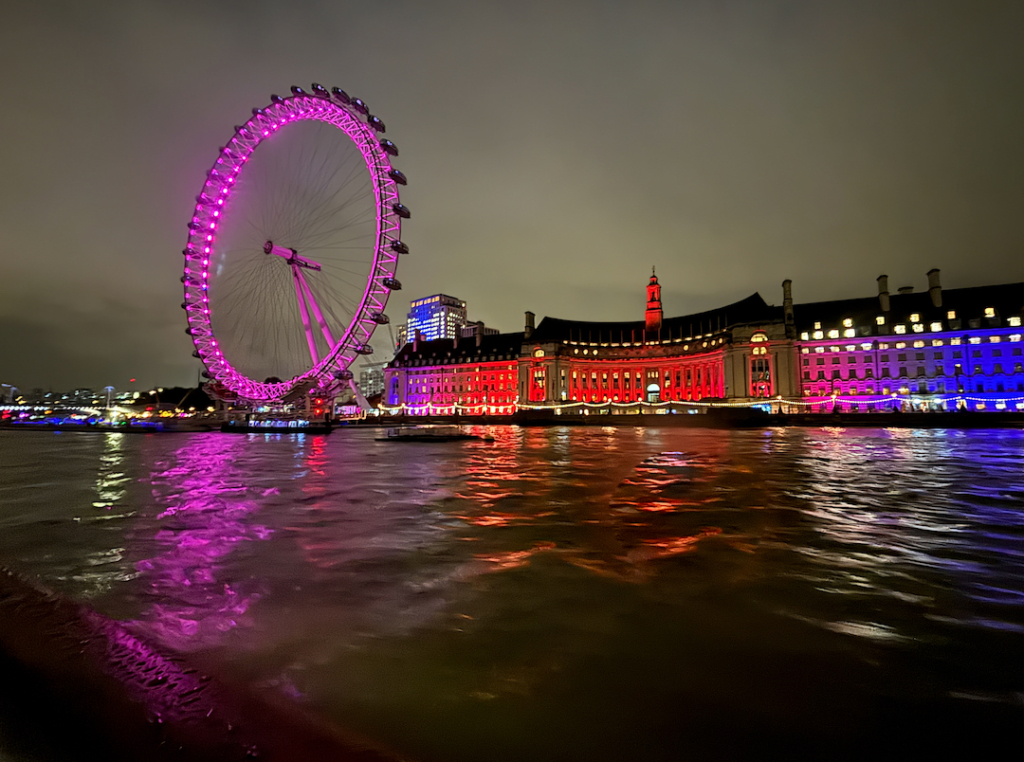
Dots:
{"x": 555, "y": 152}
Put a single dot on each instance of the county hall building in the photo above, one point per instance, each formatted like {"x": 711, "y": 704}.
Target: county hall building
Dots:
{"x": 928, "y": 350}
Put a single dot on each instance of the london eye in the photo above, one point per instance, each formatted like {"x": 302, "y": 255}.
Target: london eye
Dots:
{"x": 292, "y": 248}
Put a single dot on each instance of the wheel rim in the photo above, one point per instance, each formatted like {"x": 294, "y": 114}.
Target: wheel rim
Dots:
{"x": 211, "y": 217}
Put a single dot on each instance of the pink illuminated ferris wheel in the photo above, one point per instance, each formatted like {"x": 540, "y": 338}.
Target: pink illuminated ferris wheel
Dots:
{"x": 293, "y": 246}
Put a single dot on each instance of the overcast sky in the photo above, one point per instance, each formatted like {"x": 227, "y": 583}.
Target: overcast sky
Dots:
{"x": 555, "y": 152}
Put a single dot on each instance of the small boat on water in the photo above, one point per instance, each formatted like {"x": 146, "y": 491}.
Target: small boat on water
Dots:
{"x": 292, "y": 426}
{"x": 429, "y": 434}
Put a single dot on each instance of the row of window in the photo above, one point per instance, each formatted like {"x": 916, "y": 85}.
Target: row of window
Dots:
{"x": 954, "y": 341}
{"x": 902, "y": 357}
{"x": 916, "y": 326}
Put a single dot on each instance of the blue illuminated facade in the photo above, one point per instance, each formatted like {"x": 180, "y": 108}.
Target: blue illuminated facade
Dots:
{"x": 934, "y": 350}
{"x": 435, "y": 317}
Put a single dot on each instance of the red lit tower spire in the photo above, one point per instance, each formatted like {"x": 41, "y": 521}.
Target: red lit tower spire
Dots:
{"x": 653, "y": 314}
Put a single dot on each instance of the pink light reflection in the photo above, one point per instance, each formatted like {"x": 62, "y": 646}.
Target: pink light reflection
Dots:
{"x": 207, "y": 516}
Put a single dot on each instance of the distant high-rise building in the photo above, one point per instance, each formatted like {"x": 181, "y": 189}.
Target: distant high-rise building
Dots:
{"x": 435, "y": 317}
{"x": 371, "y": 380}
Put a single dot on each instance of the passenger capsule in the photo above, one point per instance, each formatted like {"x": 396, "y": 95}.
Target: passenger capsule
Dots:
{"x": 195, "y": 353}
{"x": 392, "y": 284}
{"x": 376, "y": 124}
{"x": 343, "y": 375}
{"x": 379, "y": 318}
{"x": 276, "y": 99}
{"x": 398, "y": 177}
{"x": 399, "y": 247}
{"x": 259, "y": 111}
{"x": 401, "y": 210}
{"x": 296, "y": 90}
{"x": 320, "y": 90}
{"x": 341, "y": 95}
{"x": 364, "y": 349}
{"x": 189, "y": 330}
{"x": 389, "y": 148}
{"x": 360, "y": 106}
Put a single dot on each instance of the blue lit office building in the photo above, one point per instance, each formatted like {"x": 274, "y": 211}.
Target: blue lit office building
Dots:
{"x": 435, "y": 317}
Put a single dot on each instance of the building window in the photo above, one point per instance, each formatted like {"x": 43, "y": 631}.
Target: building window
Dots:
{"x": 900, "y": 329}
{"x": 990, "y": 312}
{"x": 880, "y": 320}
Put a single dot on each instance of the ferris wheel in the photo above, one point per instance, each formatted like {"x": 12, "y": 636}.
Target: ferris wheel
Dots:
{"x": 292, "y": 248}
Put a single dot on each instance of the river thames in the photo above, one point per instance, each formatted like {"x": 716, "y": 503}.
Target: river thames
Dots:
{"x": 559, "y": 593}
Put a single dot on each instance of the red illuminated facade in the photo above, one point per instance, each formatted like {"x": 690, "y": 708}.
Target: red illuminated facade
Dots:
{"x": 477, "y": 375}
{"x": 738, "y": 351}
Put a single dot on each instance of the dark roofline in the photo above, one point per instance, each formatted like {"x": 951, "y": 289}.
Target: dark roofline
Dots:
{"x": 752, "y": 309}
{"x": 1007, "y": 298}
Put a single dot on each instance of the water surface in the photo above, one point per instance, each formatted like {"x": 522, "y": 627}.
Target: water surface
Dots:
{"x": 560, "y": 593}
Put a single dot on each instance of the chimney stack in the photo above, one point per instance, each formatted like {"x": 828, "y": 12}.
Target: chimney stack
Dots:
{"x": 883, "y": 292}
{"x": 787, "y": 307}
{"x": 479, "y": 332}
{"x": 934, "y": 287}
{"x": 528, "y": 330}
{"x": 416, "y": 340}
